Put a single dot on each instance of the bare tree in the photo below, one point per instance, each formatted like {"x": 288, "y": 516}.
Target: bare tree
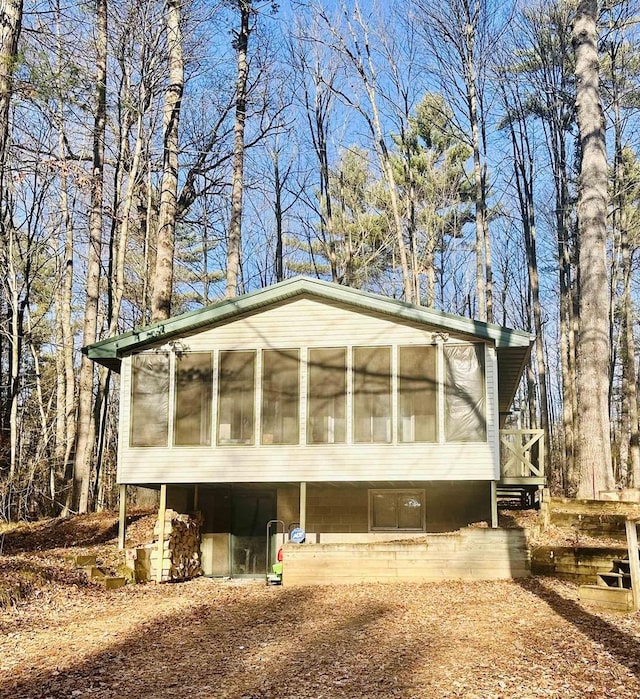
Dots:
{"x": 460, "y": 36}
{"x": 594, "y": 452}
{"x": 352, "y": 44}
{"x": 85, "y": 425}
{"x": 234, "y": 244}
{"x": 163, "y": 279}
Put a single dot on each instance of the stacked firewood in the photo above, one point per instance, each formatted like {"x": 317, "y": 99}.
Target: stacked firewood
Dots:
{"x": 181, "y": 547}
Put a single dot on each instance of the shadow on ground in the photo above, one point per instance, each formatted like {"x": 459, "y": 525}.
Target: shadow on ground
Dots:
{"x": 623, "y": 647}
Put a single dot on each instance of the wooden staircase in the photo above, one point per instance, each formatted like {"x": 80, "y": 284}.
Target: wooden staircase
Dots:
{"x": 613, "y": 589}
{"x": 97, "y": 574}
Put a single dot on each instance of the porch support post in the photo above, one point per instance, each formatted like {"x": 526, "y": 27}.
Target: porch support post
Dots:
{"x": 494, "y": 504}
{"x": 122, "y": 521}
{"x": 634, "y": 560}
{"x": 196, "y": 495}
{"x": 303, "y": 506}
{"x": 161, "y": 514}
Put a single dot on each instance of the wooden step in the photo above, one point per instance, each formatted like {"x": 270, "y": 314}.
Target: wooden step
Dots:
{"x": 614, "y": 598}
{"x": 110, "y": 582}
{"x": 84, "y": 560}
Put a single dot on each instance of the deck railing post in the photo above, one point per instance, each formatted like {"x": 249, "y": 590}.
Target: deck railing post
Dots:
{"x": 162, "y": 511}
{"x": 122, "y": 519}
{"x": 634, "y": 560}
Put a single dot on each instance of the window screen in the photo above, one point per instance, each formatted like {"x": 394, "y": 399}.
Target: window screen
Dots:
{"x": 236, "y": 397}
{"x": 397, "y": 509}
{"x": 327, "y": 396}
{"x": 417, "y": 394}
{"x": 150, "y": 400}
{"x": 372, "y": 394}
{"x": 193, "y": 392}
{"x": 464, "y": 394}
{"x": 280, "y": 397}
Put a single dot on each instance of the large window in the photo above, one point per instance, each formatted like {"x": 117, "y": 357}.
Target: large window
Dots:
{"x": 464, "y": 394}
{"x": 372, "y": 394}
{"x": 280, "y": 397}
{"x": 150, "y": 400}
{"x": 396, "y": 509}
{"x": 193, "y": 393}
{"x": 327, "y": 396}
{"x": 236, "y": 397}
{"x": 417, "y": 394}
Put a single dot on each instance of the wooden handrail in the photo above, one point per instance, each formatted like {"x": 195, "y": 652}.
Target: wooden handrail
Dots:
{"x": 631, "y": 526}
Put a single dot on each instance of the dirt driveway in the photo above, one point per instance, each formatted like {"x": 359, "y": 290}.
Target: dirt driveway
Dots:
{"x": 218, "y": 639}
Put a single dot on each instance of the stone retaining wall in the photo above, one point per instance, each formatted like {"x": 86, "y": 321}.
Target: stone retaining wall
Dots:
{"x": 469, "y": 554}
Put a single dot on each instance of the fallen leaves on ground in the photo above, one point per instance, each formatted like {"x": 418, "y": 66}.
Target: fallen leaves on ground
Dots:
{"x": 68, "y": 638}
{"x": 213, "y": 638}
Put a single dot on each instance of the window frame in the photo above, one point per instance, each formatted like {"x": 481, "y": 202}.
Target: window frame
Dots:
{"x": 437, "y": 388}
{"x": 480, "y": 351}
{"x": 254, "y": 402}
{"x": 420, "y": 493}
{"x": 132, "y": 403}
{"x": 174, "y": 379}
{"x": 261, "y": 398}
{"x": 309, "y": 396}
{"x": 354, "y": 396}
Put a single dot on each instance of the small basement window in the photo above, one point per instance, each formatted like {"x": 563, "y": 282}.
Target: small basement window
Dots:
{"x": 150, "y": 400}
{"x": 397, "y": 510}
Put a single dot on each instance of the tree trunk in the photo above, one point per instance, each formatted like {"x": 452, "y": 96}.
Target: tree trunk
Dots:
{"x": 234, "y": 243}
{"x": 84, "y": 445}
{"x": 594, "y": 452}
{"x": 10, "y": 26}
{"x": 163, "y": 279}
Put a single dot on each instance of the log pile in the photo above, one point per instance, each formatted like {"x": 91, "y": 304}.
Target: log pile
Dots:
{"x": 181, "y": 547}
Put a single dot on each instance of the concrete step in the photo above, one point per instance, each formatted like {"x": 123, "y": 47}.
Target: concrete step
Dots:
{"x": 613, "y": 598}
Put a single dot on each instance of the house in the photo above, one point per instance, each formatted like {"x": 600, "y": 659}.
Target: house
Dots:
{"x": 359, "y": 419}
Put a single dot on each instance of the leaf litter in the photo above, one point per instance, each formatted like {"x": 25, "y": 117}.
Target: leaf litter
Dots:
{"x": 209, "y": 638}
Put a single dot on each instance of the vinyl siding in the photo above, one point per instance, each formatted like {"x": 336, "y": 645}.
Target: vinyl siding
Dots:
{"x": 305, "y": 323}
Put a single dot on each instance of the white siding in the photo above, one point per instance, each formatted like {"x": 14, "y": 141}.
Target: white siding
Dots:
{"x": 306, "y": 323}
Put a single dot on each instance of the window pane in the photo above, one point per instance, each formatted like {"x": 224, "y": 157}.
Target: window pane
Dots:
{"x": 280, "y": 397}
{"x": 464, "y": 394}
{"x": 409, "y": 511}
{"x": 417, "y": 399}
{"x": 383, "y": 510}
{"x": 150, "y": 401}
{"x": 372, "y": 394}
{"x": 193, "y": 389}
{"x": 327, "y": 396}
{"x": 236, "y": 391}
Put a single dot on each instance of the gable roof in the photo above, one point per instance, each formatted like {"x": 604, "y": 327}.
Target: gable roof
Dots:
{"x": 513, "y": 346}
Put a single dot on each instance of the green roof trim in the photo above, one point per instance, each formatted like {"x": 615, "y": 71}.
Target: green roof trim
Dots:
{"x": 110, "y": 349}
{"x": 513, "y": 346}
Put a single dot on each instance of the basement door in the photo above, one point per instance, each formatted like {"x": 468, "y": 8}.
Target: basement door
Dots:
{"x": 250, "y": 512}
